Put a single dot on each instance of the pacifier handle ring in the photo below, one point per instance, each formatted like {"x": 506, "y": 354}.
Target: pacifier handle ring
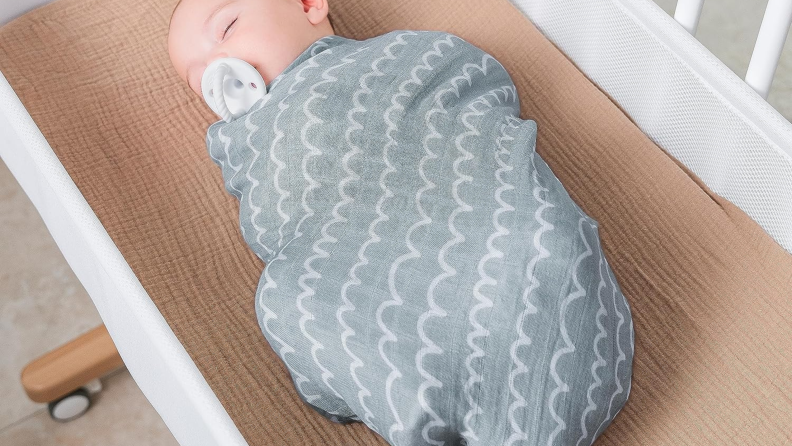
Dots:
{"x": 231, "y": 86}
{"x": 217, "y": 91}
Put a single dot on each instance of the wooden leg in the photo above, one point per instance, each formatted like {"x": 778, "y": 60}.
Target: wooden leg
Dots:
{"x": 71, "y": 366}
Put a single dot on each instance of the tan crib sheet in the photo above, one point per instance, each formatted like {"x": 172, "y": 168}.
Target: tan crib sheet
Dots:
{"x": 708, "y": 288}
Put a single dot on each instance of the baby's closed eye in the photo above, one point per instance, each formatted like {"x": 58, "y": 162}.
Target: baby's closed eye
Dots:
{"x": 223, "y": 28}
{"x": 229, "y": 27}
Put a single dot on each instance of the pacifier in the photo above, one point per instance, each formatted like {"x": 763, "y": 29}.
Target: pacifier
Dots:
{"x": 230, "y": 86}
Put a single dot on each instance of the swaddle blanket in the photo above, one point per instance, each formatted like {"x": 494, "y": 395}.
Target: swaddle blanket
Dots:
{"x": 426, "y": 272}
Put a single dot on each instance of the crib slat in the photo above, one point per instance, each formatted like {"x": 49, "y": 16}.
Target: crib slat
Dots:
{"x": 769, "y": 43}
{"x": 687, "y": 14}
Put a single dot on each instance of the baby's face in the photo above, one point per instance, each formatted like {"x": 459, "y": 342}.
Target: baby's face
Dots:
{"x": 268, "y": 34}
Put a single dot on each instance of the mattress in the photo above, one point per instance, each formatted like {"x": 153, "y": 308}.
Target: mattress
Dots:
{"x": 109, "y": 145}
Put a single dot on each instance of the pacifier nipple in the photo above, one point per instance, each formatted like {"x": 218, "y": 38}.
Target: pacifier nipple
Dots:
{"x": 230, "y": 86}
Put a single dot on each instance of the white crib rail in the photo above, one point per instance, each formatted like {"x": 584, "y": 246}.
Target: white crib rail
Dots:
{"x": 769, "y": 42}
{"x": 687, "y": 13}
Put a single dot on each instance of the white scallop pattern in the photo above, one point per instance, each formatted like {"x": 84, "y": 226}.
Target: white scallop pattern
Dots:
{"x": 427, "y": 273}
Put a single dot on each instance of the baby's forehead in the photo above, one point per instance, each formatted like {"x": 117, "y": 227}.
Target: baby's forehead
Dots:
{"x": 174, "y": 12}
{"x": 187, "y": 13}
{"x": 183, "y": 6}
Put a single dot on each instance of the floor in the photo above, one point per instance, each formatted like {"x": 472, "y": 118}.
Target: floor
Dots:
{"x": 43, "y": 305}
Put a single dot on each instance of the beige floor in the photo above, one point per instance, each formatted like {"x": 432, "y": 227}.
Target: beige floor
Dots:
{"x": 42, "y": 305}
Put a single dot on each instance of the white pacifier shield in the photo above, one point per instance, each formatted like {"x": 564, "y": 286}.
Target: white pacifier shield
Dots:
{"x": 242, "y": 87}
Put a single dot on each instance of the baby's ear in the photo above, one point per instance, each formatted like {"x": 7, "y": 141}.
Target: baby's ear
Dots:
{"x": 316, "y": 10}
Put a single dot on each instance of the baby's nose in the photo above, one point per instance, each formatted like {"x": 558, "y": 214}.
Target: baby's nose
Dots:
{"x": 215, "y": 56}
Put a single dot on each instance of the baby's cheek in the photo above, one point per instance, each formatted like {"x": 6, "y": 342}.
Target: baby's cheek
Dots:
{"x": 268, "y": 66}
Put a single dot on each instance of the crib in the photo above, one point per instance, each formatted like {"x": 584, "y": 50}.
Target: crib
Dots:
{"x": 723, "y": 147}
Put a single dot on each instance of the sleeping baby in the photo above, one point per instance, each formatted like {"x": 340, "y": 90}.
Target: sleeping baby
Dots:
{"x": 426, "y": 272}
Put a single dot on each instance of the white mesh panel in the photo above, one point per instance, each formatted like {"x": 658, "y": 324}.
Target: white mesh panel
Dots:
{"x": 682, "y": 97}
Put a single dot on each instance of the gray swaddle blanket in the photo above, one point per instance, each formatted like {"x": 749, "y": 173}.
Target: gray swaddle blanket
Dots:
{"x": 426, "y": 272}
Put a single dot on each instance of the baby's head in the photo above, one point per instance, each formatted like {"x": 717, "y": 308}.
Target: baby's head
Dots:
{"x": 268, "y": 34}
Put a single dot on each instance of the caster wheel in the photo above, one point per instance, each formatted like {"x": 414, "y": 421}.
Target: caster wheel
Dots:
{"x": 70, "y": 406}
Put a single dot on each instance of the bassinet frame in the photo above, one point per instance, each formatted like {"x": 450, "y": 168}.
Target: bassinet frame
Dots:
{"x": 159, "y": 363}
